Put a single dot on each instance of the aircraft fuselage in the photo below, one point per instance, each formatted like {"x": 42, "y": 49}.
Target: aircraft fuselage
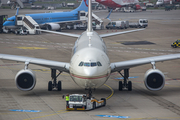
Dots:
{"x": 90, "y": 65}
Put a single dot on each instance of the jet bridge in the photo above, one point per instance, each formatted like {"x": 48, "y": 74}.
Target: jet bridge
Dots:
{"x": 28, "y": 23}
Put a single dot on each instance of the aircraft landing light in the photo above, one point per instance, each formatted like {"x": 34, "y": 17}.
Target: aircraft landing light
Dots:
{"x": 129, "y": 77}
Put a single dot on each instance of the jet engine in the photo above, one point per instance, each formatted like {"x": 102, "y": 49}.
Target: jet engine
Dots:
{"x": 154, "y": 79}
{"x": 53, "y": 26}
{"x": 25, "y": 80}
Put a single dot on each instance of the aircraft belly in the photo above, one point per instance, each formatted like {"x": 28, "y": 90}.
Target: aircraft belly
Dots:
{"x": 11, "y": 27}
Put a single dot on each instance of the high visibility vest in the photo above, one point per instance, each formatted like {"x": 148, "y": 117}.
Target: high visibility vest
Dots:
{"x": 67, "y": 98}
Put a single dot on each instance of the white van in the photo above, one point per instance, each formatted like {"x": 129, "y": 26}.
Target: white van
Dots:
{"x": 115, "y": 25}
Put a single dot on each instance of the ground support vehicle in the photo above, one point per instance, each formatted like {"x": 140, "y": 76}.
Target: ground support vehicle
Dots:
{"x": 82, "y": 26}
{"x": 170, "y": 7}
{"x": 143, "y": 8}
{"x": 127, "y": 9}
{"x": 115, "y": 25}
{"x": 142, "y": 23}
{"x": 21, "y": 32}
{"x": 2, "y": 20}
{"x": 149, "y": 5}
{"x": 176, "y": 44}
{"x": 83, "y": 102}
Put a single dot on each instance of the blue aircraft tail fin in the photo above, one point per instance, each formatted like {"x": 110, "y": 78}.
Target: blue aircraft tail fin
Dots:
{"x": 83, "y": 6}
{"x": 17, "y": 12}
{"x": 109, "y": 15}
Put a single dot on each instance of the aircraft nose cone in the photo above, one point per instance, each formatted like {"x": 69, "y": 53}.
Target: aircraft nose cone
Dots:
{"x": 89, "y": 72}
{"x": 5, "y": 23}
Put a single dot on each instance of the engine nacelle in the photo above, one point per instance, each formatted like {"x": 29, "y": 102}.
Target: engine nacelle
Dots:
{"x": 25, "y": 80}
{"x": 53, "y": 26}
{"x": 154, "y": 79}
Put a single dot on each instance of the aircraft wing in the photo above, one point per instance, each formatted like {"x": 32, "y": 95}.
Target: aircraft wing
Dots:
{"x": 118, "y": 66}
{"x": 118, "y": 33}
{"x": 102, "y": 35}
{"x": 60, "y": 33}
{"x": 62, "y": 66}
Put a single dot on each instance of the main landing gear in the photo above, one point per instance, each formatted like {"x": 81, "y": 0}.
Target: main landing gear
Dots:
{"x": 53, "y": 84}
{"x": 125, "y": 84}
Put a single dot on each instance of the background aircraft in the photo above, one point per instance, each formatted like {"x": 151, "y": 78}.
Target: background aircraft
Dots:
{"x": 113, "y": 4}
{"x": 89, "y": 66}
{"x": 51, "y": 21}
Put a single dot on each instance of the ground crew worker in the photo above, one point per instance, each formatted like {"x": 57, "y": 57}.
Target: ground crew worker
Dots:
{"x": 67, "y": 99}
{"x": 4, "y": 19}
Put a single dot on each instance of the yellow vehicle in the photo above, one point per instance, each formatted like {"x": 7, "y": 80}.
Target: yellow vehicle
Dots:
{"x": 176, "y": 44}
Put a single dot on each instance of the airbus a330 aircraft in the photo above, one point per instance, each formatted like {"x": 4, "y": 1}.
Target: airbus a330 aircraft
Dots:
{"x": 89, "y": 66}
{"x": 52, "y": 21}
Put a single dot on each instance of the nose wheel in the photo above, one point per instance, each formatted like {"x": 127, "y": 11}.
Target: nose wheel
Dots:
{"x": 125, "y": 84}
{"x": 54, "y": 84}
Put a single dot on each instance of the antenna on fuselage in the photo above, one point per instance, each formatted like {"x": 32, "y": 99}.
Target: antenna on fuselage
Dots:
{"x": 89, "y": 29}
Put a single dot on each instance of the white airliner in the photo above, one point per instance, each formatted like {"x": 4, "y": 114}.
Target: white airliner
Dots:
{"x": 89, "y": 66}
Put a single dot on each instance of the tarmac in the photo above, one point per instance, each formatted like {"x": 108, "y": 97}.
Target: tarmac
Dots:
{"x": 138, "y": 104}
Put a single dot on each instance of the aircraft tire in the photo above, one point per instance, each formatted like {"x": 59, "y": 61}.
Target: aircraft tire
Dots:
{"x": 120, "y": 85}
{"x": 50, "y": 86}
{"x": 129, "y": 86}
{"x": 59, "y": 86}
{"x": 104, "y": 101}
{"x": 94, "y": 105}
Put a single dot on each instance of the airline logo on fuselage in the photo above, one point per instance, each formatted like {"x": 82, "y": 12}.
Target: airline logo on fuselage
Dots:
{"x": 128, "y": 1}
{"x": 86, "y": 3}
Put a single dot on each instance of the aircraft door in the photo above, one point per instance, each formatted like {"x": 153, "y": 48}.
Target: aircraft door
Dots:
{"x": 19, "y": 19}
{"x": 82, "y": 15}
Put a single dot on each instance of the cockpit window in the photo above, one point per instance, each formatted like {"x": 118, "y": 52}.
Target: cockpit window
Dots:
{"x": 87, "y": 64}
{"x": 90, "y": 64}
{"x": 81, "y": 63}
{"x": 93, "y": 64}
{"x": 99, "y": 64}
{"x": 10, "y": 20}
